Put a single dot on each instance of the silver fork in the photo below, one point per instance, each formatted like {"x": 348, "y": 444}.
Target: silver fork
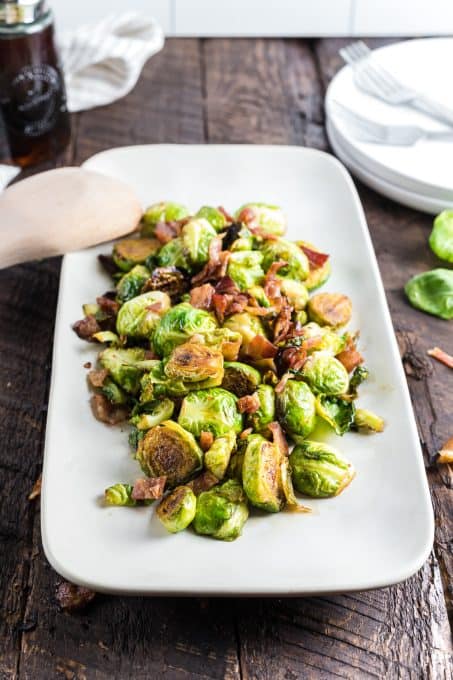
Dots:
{"x": 370, "y": 76}
{"x": 367, "y": 130}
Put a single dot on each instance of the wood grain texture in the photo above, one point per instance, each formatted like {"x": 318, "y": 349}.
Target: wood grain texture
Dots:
{"x": 219, "y": 91}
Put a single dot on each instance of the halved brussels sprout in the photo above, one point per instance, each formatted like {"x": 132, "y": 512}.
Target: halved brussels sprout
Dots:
{"x": 138, "y": 317}
{"x": 325, "y": 374}
{"x": 222, "y": 511}
{"x": 131, "y": 251}
{"x": 155, "y": 384}
{"x": 217, "y": 457}
{"x": 296, "y": 293}
{"x": 114, "y": 393}
{"x": 269, "y": 218}
{"x": 169, "y": 280}
{"x": 119, "y": 494}
{"x": 177, "y": 510}
{"x": 196, "y": 236}
{"x": 297, "y": 266}
{"x": 368, "y": 421}
{"x": 319, "y": 470}
{"x": 296, "y": 408}
{"x": 248, "y": 326}
{"x": 213, "y": 410}
{"x": 130, "y": 285}
{"x": 266, "y": 412}
{"x": 318, "y": 276}
{"x": 178, "y": 325}
{"x": 261, "y": 475}
{"x": 288, "y": 488}
{"x": 194, "y": 362}
{"x": 260, "y": 296}
{"x": 432, "y": 292}
{"x": 215, "y": 217}
{"x": 329, "y": 341}
{"x": 168, "y": 450}
{"x": 174, "y": 254}
{"x": 338, "y": 412}
{"x": 241, "y": 379}
{"x": 125, "y": 366}
{"x": 153, "y": 414}
{"x": 244, "y": 267}
{"x": 441, "y": 239}
{"x": 162, "y": 212}
{"x": 330, "y": 309}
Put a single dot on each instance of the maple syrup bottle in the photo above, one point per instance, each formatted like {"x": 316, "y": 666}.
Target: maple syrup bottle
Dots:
{"x": 34, "y": 120}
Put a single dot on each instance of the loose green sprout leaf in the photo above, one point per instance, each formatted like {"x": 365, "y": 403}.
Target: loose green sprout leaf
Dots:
{"x": 325, "y": 374}
{"x": 358, "y": 377}
{"x": 368, "y": 421}
{"x": 269, "y": 218}
{"x": 296, "y": 408}
{"x": 178, "y": 325}
{"x": 261, "y": 474}
{"x": 215, "y": 217}
{"x": 177, "y": 510}
{"x": 153, "y": 414}
{"x": 241, "y": 379}
{"x": 124, "y": 365}
{"x": 106, "y": 337}
{"x": 138, "y": 317}
{"x": 266, "y": 412}
{"x": 248, "y": 326}
{"x": 134, "y": 439}
{"x": 213, "y": 410}
{"x": 319, "y": 470}
{"x": 129, "y": 252}
{"x": 296, "y": 293}
{"x": 221, "y": 512}
{"x": 196, "y": 236}
{"x": 168, "y": 450}
{"x": 338, "y": 412}
{"x": 432, "y": 292}
{"x": 174, "y": 254}
{"x": 217, "y": 457}
{"x": 441, "y": 239}
{"x": 244, "y": 267}
{"x": 162, "y": 212}
{"x": 194, "y": 362}
{"x": 297, "y": 267}
{"x": 119, "y": 494}
{"x": 130, "y": 285}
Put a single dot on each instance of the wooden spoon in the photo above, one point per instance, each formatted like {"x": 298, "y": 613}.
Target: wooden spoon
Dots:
{"x": 62, "y": 210}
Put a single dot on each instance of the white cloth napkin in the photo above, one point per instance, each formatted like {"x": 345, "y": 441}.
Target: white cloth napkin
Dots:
{"x": 102, "y": 63}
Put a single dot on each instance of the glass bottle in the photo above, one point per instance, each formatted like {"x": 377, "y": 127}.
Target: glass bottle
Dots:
{"x": 34, "y": 120}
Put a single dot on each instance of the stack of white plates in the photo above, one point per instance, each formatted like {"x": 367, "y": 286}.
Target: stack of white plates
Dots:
{"x": 420, "y": 176}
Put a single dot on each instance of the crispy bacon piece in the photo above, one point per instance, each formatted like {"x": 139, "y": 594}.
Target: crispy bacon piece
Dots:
{"x": 350, "y": 358}
{"x": 108, "y": 306}
{"x": 290, "y": 358}
{"x": 250, "y": 403}
{"x": 315, "y": 258}
{"x": 86, "y": 328}
{"x": 257, "y": 310}
{"x": 107, "y": 412}
{"x": 155, "y": 307}
{"x": 148, "y": 488}
{"x": 441, "y": 356}
{"x": 279, "y": 438}
{"x": 97, "y": 377}
{"x": 36, "y": 491}
{"x": 446, "y": 452}
{"x": 203, "y": 482}
{"x": 166, "y": 231}
{"x": 72, "y": 597}
{"x": 206, "y": 440}
{"x": 261, "y": 348}
{"x": 226, "y": 214}
{"x": 272, "y": 285}
{"x": 226, "y": 285}
{"x": 201, "y": 296}
{"x": 226, "y": 305}
{"x": 283, "y": 326}
{"x": 108, "y": 264}
{"x": 245, "y": 433}
{"x": 216, "y": 266}
{"x": 280, "y": 386}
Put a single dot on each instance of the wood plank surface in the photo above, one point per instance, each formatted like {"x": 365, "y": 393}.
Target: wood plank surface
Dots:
{"x": 219, "y": 91}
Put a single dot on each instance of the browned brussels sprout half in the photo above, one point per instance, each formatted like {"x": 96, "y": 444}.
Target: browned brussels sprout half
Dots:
{"x": 241, "y": 379}
{"x": 330, "y": 309}
{"x": 222, "y": 511}
{"x": 129, "y": 252}
{"x": 319, "y": 470}
{"x": 177, "y": 510}
{"x": 195, "y": 362}
{"x": 261, "y": 474}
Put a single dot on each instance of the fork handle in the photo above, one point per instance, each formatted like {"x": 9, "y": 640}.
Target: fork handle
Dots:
{"x": 433, "y": 108}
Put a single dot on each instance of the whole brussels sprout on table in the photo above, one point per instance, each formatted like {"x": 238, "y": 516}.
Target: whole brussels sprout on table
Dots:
{"x": 218, "y": 392}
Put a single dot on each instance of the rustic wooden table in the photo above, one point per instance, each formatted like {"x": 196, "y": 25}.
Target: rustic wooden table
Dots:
{"x": 206, "y": 91}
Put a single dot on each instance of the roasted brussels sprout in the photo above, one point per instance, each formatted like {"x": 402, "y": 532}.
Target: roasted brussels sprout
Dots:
{"x": 319, "y": 470}
{"x": 330, "y": 309}
{"x": 168, "y": 450}
{"x": 329, "y": 341}
{"x": 244, "y": 267}
{"x": 248, "y": 326}
{"x": 229, "y": 342}
{"x": 325, "y": 374}
{"x": 222, "y": 511}
{"x": 129, "y": 252}
{"x": 296, "y": 408}
{"x": 194, "y": 362}
{"x": 260, "y": 296}
{"x": 130, "y": 285}
{"x": 338, "y": 412}
{"x": 266, "y": 412}
{"x": 368, "y": 421}
{"x": 241, "y": 379}
{"x": 297, "y": 264}
{"x": 213, "y": 410}
{"x": 215, "y": 217}
{"x": 261, "y": 474}
{"x": 174, "y": 254}
{"x": 317, "y": 276}
{"x": 153, "y": 414}
{"x": 168, "y": 280}
{"x": 125, "y": 366}
{"x": 114, "y": 393}
{"x": 217, "y": 457}
{"x": 432, "y": 292}
{"x": 155, "y": 384}
{"x": 441, "y": 239}
{"x": 178, "y": 325}
{"x": 119, "y": 494}
{"x": 296, "y": 293}
{"x": 162, "y": 212}
{"x": 177, "y": 510}
{"x": 139, "y": 316}
{"x": 269, "y": 218}
{"x": 196, "y": 236}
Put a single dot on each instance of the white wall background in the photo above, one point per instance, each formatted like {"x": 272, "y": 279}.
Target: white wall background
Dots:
{"x": 273, "y": 17}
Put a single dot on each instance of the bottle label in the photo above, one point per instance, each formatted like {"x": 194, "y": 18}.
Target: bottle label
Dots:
{"x": 37, "y": 98}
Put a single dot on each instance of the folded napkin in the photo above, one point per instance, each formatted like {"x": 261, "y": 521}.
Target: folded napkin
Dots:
{"x": 102, "y": 63}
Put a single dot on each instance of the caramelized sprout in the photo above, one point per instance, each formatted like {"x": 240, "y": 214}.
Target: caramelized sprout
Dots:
{"x": 241, "y": 379}
{"x": 261, "y": 475}
{"x": 266, "y": 412}
{"x": 330, "y": 309}
{"x": 319, "y": 470}
{"x": 174, "y": 254}
{"x": 221, "y": 511}
{"x": 129, "y": 252}
{"x": 217, "y": 457}
{"x": 213, "y": 410}
{"x": 177, "y": 510}
{"x": 194, "y": 362}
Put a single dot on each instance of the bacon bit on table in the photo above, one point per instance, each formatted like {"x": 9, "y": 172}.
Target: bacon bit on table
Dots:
{"x": 148, "y": 488}
{"x": 441, "y": 356}
{"x": 260, "y": 347}
{"x": 279, "y": 438}
{"x": 250, "y": 403}
{"x": 245, "y": 433}
{"x": 201, "y": 296}
{"x": 350, "y": 358}
{"x": 280, "y": 386}
{"x": 72, "y": 597}
{"x": 36, "y": 491}
{"x": 107, "y": 412}
{"x": 446, "y": 452}
{"x": 203, "y": 482}
{"x": 206, "y": 440}
{"x": 96, "y": 378}
{"x": 315, "y": 258}
{"x": 86, "y": 328}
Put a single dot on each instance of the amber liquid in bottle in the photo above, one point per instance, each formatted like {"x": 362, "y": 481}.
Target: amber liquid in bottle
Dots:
{"x": 34, "y": 119}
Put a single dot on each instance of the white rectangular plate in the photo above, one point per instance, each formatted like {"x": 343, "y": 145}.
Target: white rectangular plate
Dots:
{"x": 379, "y": 531}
